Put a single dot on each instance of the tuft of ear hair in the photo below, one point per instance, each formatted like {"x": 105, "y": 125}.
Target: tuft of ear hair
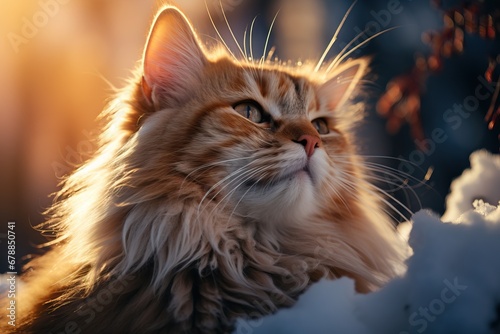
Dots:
{"x": 343, "y": 82}
{"x": 173, "y": 59}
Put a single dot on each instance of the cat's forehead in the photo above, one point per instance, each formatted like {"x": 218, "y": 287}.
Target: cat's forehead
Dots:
{"x": 279, "y": 91}
{"x": 288, "y": 94}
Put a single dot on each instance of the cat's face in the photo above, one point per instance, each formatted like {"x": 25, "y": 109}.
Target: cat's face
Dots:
{"x": 262, "y": 141}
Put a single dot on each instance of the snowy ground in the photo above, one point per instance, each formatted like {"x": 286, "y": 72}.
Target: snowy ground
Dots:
{"x": 452, "y": 284}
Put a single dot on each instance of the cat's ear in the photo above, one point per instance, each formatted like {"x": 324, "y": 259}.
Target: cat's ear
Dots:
{"x": 173, "y": 59}
{"x": 343, "y": 82}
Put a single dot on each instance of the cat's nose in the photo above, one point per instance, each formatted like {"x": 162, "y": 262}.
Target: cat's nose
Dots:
{"x": 309, "y": 142}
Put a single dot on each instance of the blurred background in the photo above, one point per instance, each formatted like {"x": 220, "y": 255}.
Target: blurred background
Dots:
{"x": 60, "y": 58}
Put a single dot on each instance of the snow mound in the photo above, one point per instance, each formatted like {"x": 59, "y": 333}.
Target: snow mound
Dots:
{"x": 327, "y": 305}
{"x": 481, "y": 181}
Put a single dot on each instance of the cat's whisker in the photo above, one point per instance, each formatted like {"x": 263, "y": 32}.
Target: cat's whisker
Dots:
{"x": 338, "y": 195}
{"x": 380, "y": 157}
{"x": 243, "y": 178}
{"x": 348, "y": 186}
{"x": 243, "y": 196}
{"x": 385, "y": 170}
{"x": 401, "y": 184}
{"x": 263, "y": 58}
{"x": 251, "y": 39}
{"x": 373, "y": 166}
{"x": 351, "y": 186}
{"x": 384, "y": 167}
{"x": 407, "y": 190}
{"x": 260, "y": 142}
{"x": 270, "y": 54}
{"x": 225, "y": 162}
{"x": 367, "y": 82}
{"x": 399, "y": 160}
{"x": 245, "y": 51}
{"x": 210, "y": 165}
{"x": 246, "y": 179}
{"x": 391, "y": 197}
{"x": 369, "y": 188}
{"x": 334, "y": 38}
{"x": 389, "y": 176}
{"x": 373, "y": 190}
{"x": 96, "y": 72}
{"x": 230, "y": 175}
{"x": 246, "y": 174}
{"x": 343, "y": 54}
{"x": 218, "y": 33}
{"x": 348, "y": 45}
{"x": 231, "y": 30}
{"x": 235, "y": 176}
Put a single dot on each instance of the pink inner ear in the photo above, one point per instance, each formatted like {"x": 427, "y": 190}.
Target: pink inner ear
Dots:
{"x": 173, "y": 60}
{"x": 342, "y": 83}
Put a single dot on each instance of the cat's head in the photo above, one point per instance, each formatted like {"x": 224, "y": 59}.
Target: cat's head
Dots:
{"x": 266, "y": 141}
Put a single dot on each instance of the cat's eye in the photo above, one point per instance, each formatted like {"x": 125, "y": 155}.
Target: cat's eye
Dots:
{"x": 321, "y": 125}
{"x": 250, "y": 110}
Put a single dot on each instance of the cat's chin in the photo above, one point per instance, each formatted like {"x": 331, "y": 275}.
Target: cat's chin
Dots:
{"x": 287, "y": 200}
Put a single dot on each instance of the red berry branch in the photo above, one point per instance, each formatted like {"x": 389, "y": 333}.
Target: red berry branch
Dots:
{"x": 401, "y": 101}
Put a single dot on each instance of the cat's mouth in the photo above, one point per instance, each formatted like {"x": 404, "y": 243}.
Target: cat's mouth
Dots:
{"x": 281, "y": 178}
